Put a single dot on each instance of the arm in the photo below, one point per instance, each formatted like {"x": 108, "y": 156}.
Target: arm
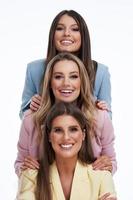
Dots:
{"x": 104, "y": 93}
{"x": 28, "y": 91}
{"x": 107, "y": 140}
{"x": 27, "y": 184}
{"x": 22, "y": 146}
{"x": 107, "y": 187}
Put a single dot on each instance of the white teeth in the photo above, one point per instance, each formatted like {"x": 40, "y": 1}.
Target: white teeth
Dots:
{"x": 66, "y": 42}
{"x": 66, "y": 146}
{"x": 66, "y": 91}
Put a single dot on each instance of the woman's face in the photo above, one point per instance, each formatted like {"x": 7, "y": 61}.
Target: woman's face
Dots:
{"x": 66, "y": 137}
{"x": 67, "y": 35}
{"x": 65, "y": 81}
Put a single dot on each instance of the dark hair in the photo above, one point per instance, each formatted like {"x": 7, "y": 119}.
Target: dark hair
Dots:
{"x": 47, "y": 156}
{"x": 85, "y": 50}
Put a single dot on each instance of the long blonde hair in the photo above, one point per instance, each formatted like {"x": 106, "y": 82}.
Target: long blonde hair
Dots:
{"x": 85, "y": 100}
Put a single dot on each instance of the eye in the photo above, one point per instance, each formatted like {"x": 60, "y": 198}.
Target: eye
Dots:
{"x": 75, "y": 29}
{"x": 59, "y": 28}
{"x": 57, "y": 130}
{"x": 74, "y": 76}
{"x": 73, "y": 129}
{"x": 57, "y": 76}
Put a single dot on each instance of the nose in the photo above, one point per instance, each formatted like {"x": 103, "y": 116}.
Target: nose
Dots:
{"x": 66, "y": 81}
{"x": 66, "y": 135}
{"x": 67, "y": 32}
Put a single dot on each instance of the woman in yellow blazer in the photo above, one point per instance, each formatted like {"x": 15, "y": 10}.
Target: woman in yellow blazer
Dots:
{"x": 65, "y": 171}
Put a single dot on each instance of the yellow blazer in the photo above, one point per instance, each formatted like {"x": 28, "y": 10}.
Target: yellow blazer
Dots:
{"x": 88, "y": 184}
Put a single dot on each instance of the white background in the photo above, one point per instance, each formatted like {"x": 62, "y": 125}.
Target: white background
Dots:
{"x": 24, "y": 27}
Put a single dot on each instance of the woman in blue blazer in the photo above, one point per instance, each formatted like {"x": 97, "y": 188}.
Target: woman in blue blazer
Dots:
{"x": 68, "y": 32}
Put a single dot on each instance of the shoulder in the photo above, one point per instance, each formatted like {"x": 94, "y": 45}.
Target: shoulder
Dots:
{"x": 98, "y": 175}
{"x": 29, "y": 174}
{"x": 102, "y": 70}
{"x": 101, "y": 67}
{"x": 36, "y": 65}
{"x": 28, "y": 121}
{"x": 101, "y": 117}
{"x": 27, "y": 184}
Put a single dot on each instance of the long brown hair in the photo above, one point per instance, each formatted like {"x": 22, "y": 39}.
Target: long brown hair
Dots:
{"x": 85, "y": 50}
{"x": 84, "y": 102}
{"x": 47, "y": 154}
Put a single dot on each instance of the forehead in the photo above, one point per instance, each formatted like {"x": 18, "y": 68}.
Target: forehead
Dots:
{"x": 66, "y": 19}
{"x": 66, "y": 65}
{"x": 65, "y": 121}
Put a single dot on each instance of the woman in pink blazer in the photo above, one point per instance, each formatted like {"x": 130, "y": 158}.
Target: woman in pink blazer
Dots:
{"x": 65, "y": 80}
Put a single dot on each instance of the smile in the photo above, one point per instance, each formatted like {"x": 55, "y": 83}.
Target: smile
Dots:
{"x": 66, "y": 146}
{"x": 66, "y": 42}
{"x": 66, "y": 92}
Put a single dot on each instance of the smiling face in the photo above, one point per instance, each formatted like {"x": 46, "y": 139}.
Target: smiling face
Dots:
{"x": 67, "y": 35}
{"x": 65, "y": 82}
{"x": 66, "y": 137}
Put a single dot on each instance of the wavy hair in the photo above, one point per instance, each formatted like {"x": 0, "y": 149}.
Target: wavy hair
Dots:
{"x": 47, "y": 154}
{"x": 85, "y": 100}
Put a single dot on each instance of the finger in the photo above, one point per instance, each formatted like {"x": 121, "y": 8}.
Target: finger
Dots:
{"x": 103, "y": 106}
{"x": 37, "y": 101}
{"x": 101, "y": 159}
{"x": 108, "y": 168}
{"x": 29, "y": 165}
{"x": 34, "y": 106}
{"x": 31, "y": 161}
{"x": 104, "y": 196}
{"x": 34, "y": 163}
{"x": 38, "y": 97}
{"x": 23, "y": 167}
{"x": 102, "y": 165}
{"x": 102, "y": 162}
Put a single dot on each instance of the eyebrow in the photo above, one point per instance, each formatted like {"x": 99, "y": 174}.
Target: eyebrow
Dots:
{"x": 74, "y": 126}
{"x": 60, "y": 127}
{"x": 64, "y": 24}
{"x": 74, "y": 72}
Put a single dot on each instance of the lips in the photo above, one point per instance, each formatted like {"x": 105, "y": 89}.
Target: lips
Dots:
{"x": 66, "y": 42}
{"x": 66, "y": 146}
{"x": 66, "y": 92}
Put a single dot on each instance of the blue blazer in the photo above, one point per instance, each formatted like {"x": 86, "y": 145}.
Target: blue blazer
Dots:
{"x": 34, "y": 74}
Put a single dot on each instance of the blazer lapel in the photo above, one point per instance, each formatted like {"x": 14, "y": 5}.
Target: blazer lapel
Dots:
{"x": 81, "y": 188}
{"x": 81, "y": 185}
{"x": 56, "y": 184}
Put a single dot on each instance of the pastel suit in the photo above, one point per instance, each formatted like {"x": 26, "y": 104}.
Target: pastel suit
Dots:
{"x": 87, "y": 184}
{"x": 34, "y": 75}
{"x": 102, "y": 142}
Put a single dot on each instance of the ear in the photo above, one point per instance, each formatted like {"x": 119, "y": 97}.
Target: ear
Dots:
{"x": 84, "y": 131}
{"x": 49, "y": 138}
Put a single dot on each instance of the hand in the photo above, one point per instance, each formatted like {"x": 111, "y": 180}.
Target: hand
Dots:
{"x": 35, "y": 102}
{"x": 106, "y": 197}
{"x": 30, "y": 162}
{"x": 103, "y": 163}
{"x": 102, "y": 105}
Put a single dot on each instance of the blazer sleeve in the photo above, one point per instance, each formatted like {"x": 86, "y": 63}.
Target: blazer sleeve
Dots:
{"x": 107, "y": 140}
{"x": 104, "y": 92}
{"x": 26, "y": 185}
{"x": 107, "y": 185}
{"x": 22, "y": 146}
{"x": 28, "y": 91}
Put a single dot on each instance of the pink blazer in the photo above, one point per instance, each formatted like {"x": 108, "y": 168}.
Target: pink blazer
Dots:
{"x": 102, "y": 143}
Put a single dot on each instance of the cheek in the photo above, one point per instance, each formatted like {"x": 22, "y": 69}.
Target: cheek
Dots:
{"x": 78, "y": 84}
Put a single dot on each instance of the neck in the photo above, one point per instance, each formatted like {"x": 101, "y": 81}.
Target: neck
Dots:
{"x": 66, "y": 166}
